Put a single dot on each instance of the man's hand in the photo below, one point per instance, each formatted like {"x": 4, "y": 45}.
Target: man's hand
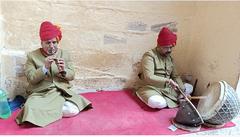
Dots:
{"x": 61, "y": 74}
{"x": 173, "y": 84}
{"x": 180, "y": 96}
{"x": 60, "y": 64}
{"x": 48, "y": 61}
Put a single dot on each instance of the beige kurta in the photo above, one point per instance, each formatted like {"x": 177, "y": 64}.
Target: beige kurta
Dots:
{"x": 156, "y": 70}
{"x": 47, "y": 93}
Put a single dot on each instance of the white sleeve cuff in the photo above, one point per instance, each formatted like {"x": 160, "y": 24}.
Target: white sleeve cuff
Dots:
{"x": 45, "y": 70}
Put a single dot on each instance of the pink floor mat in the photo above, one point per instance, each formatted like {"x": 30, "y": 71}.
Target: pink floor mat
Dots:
{"x": 113, "y": 113}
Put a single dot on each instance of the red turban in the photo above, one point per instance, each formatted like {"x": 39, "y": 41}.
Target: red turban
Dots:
{"x": 49, "y": 31}
{"x": 166, "y": 37}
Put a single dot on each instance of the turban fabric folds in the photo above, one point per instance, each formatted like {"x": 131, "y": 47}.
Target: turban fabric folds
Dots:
{"x": 166, "y": 37}
{"x": 49, "y": 31}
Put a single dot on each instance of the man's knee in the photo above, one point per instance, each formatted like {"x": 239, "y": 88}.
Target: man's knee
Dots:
{"x": 189, "y": 88}
{"x": 157, "y": 101}
{"x": 69, "y": 109}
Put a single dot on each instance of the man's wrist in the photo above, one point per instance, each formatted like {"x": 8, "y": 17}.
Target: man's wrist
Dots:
{"x": 167, "y": 81}
{"x": 45, "y": 70}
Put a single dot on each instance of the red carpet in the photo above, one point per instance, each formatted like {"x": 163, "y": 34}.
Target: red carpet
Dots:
{"x": 114, "y": 113}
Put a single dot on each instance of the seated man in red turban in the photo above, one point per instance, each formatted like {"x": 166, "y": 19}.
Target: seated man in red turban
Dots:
{"x": 48, "y": 71}
{"x": 158, "y": 74}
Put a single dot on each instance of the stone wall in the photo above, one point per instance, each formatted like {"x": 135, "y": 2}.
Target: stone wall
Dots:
{"x": 108, "y": 38}
{"x": 215, "y": 52}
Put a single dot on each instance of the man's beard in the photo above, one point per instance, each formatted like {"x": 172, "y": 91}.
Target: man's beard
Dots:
{"x": 167, "y": 53}
{"x": 52, "y": 51}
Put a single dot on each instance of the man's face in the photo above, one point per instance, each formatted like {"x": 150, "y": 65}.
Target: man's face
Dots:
{"x": 165, "y": 50}
{"x": 50, "y": 46}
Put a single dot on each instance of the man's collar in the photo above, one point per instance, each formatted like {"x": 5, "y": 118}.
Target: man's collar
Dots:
{"x": 43, "y": 52}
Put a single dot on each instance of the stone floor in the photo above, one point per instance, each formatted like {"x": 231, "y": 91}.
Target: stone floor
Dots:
{"x": 226, "y": 131}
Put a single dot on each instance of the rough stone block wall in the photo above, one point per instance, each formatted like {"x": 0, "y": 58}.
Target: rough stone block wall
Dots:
{"x": 106, "y": 39}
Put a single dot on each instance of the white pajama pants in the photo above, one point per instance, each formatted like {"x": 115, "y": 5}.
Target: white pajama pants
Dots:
{"x": 69, "y": 109}
{"x": 157, "y": 101}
